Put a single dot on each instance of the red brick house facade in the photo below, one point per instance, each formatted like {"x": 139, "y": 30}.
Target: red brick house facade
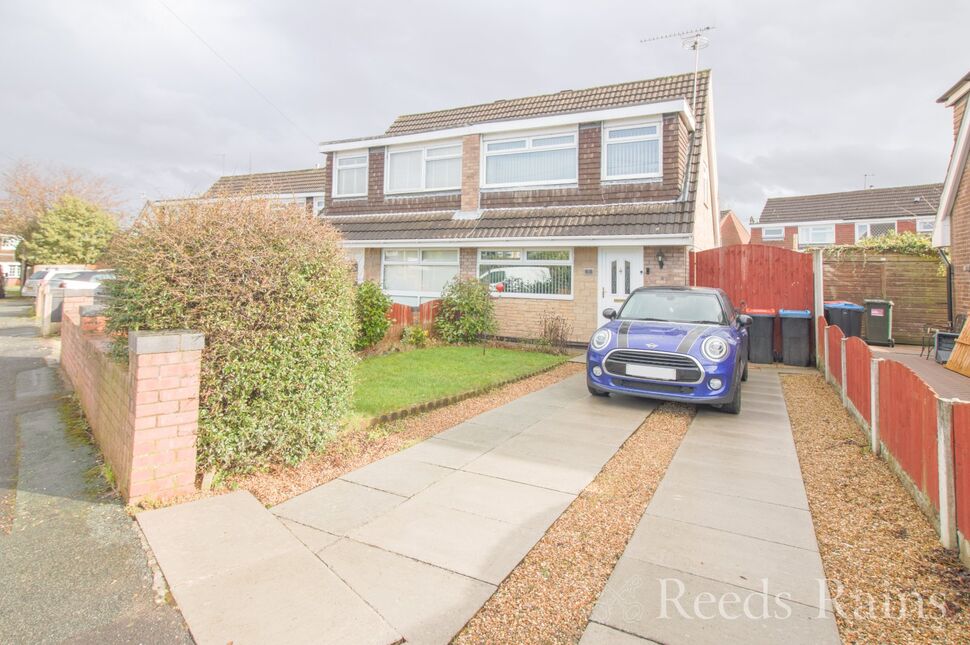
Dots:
{"x": 562, "y": 202}
{"x": 845, "y": 218}
{"x": 953, "y": 218}
{"x": 8, "y": 261}
{"x": 733, "y": 231}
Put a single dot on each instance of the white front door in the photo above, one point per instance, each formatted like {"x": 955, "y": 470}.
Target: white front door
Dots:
{"x": 620, "y": 272}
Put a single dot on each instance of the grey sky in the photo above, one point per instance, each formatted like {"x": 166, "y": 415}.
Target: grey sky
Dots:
{"x": 808, "y": 95}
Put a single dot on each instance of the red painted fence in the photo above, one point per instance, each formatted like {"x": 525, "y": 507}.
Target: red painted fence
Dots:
{"x": 402, "y": 316}
{"x": 858, "y": 369}
{"x": 907, "y": 425}
{"x": 834, "y": 359}
{"x": 820, "y": 340}
{"x": 756, "y": 275}
{"x": 961, "y": 465}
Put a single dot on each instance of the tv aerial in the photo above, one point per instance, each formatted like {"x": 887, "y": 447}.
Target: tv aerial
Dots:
{"x": 693, "y": 40}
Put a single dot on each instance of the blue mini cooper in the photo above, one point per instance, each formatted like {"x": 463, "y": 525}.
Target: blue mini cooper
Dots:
{"x": 673, "y": 343}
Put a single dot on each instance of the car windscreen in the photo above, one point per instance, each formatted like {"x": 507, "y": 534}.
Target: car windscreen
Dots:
{"x": 674, "y": 306}
{"x": 37, "y": 275}
{"x": 67, "y": 275}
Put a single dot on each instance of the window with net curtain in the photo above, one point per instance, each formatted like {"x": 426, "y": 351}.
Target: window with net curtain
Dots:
{"x": 631, "y": 151}
{"x": 527, "y": 272}
{"x": 414, "y": 276}
{"x": 537, "y": 159}
{"x": 423, "y": 169}
{"x": 351, "y": 175}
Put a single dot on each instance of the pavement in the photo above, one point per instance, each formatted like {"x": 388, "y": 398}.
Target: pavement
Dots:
{"x": 408, "y": 547}
{"x": 725, "y": 551}
{"x": 72, "y": 564}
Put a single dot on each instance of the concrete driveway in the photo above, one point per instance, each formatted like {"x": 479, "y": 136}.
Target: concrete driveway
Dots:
{"x": 408, "y": 547}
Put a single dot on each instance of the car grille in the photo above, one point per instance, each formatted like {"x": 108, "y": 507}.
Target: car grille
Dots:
{"x": 687, "y": 369}
{"x": 652, "y": 387}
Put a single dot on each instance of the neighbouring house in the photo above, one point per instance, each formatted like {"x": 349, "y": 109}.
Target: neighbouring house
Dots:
{"x": 953, "y": 216}
{"x": 301, "y": 186}
{"x": 845, "y": 218}
{"x": 8, "y": 260}
{"x": 562, "y": 202}
{"x": 733, "y": 231}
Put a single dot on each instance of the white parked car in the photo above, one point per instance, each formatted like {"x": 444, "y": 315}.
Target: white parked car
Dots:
{"x": 43, "y": 276}
{"x": 80, "y": 279}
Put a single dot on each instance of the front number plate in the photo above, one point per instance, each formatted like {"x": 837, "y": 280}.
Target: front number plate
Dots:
{"x": 649, "y": 371}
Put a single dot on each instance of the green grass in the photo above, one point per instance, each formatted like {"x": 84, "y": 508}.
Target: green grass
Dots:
{"x": 395, "y": 381}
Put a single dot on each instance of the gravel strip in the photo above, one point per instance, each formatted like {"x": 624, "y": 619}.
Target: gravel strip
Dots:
{"x": 875, "y": 542}
{"x": 549, "y": 596}
{"x": 356, "y": 448}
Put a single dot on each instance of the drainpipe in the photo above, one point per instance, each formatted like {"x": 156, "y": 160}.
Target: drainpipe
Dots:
{"x": 949, "y": 286}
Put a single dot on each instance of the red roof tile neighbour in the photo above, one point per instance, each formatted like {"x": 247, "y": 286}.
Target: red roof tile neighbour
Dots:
{"x": 874, "y": 203}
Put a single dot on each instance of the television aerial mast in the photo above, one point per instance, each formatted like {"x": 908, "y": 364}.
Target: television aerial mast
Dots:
{"x": 693, "y": 40}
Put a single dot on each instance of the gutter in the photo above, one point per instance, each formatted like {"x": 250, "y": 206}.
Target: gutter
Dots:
{"x": 949, "y": 286}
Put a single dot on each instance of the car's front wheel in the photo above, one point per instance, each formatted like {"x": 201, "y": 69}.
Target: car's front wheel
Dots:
{"x": 734, "y": 407}
{"x": 744, "y": 373}
{"x": 596, "y": 391}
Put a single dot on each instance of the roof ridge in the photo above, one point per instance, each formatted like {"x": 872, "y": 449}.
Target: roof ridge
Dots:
{"x": 269, "y": 172}
{"x": 469, "y": 106}
{"x": 858, "y": 190}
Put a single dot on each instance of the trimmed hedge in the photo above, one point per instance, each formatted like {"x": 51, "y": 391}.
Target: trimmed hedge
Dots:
{"x": 467, "y": 312}
{"x": 371, "y": 307}
{"x": 270, "y": 288}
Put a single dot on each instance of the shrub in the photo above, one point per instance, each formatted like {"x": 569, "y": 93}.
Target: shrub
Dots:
{"x": 73, "y": 231}
{"x": 270, "y": 288}
{"x": 555, "y": 332}
{"x": 371, "y": 306}
{"x": 415, "y": 335}
{"x": 467, "y": 312}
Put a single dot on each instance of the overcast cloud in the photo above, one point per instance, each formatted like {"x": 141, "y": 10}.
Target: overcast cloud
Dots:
{"x": 809, "y": 96}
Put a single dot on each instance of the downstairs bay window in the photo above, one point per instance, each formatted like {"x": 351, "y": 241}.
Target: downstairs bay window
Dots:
{"x": 415, "y": 276}
{"x": 527, "y": 273}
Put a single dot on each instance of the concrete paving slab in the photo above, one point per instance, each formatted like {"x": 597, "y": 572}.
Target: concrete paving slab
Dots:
{"x": 398, "y": 475}
{"x": 602, "y": 433}
{"x": 512, "y": 420}
{"x": 536, "y": 471}
{"x": 669, "y": 606}
{"x": 479, "y": 434}
{"x": 337, "y": 507}
{"x": 426, "y": 604}
{"x": 444, "y": 452}
{"x": 469, "y": 544}
{"x": 751, "y": 442}
{"x": 738, "y": 560}
{"x": 498, "y": 499}
{"x": 314, "y": 539}
{"x": 737, "y": 482}
{"x": 597, "y": 634}
{"x": 779, "y": 464}
{"x": 38, "y": 382}
{"x": 772, "y": 522}
{"x": 239, "y": 575}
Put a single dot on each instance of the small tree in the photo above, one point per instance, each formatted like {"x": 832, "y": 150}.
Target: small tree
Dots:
{"x": 73, "y": 231}
{"x": 467, "y": 312}
{"x": 371, "y": 305}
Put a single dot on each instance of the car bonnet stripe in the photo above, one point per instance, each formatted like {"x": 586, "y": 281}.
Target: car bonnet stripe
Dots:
{"x": 691, "y": 338}
{"x": 622, "y": 334}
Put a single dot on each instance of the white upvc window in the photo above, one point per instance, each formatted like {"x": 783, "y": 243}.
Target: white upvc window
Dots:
{"x": 873, "y": 229}
{"x": 350, "y": 174}
{"x": 532, "y": 160}
{"x": 527, "y": 273}
{"x": 9, "y": 242}
{"x": 632, "y": 151}
{"x": 413, "y": 276}
{"x": 318, "y": 204}
{"x": 925, "y": 226}
{"x": 816, "y": 234}
{"x": 11, "y": 269}
{"x": 773, "y": 233}
{"x": 420, "y": 169}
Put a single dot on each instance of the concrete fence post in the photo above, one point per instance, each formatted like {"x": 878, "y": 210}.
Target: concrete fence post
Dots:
{"x": 828, "y": 368}
{"x": 845, "y": 387}
{"x": 944, "y": 459}
{"x": 874, "y": 405}
{"x": 818, "y": 294}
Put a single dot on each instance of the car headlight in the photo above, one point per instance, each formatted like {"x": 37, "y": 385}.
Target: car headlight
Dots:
{"x": 715, "y": 348}
{"x": 600, "y": 339}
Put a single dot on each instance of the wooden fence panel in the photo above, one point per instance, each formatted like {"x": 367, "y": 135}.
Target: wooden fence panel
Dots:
{"x": 834, "y": 359}
{"x": 428, "y": 311}
{"x": 961, "y": 465}
{"x": 907, "y": 425}
{"x": 858, "y": 366}
{"x": 400, "y": 314}
{"x": 756, "y": 275}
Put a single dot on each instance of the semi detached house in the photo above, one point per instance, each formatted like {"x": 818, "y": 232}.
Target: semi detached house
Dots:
{"x": 563, "y": 202}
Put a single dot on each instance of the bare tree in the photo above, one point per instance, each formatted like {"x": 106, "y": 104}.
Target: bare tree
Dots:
{"x": 29, "y": 191}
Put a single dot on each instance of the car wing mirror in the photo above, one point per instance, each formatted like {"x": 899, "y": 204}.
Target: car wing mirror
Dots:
{"x": 609, "y": 313}
{"x": 744, "y": 320}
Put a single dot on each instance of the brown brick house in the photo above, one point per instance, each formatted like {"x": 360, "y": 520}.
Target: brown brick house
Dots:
{"x": 9, "y": 264}
{"x": 563, "y": 202}
{"x": 953, "y": 216}
{"x": 846, "y": 217}
{"x": 306, "y": 186}
{"x": 733, "y": 230}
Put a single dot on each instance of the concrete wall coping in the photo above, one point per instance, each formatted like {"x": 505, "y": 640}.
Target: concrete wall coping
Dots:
{"x": 161, "y": 342}
{"x": 89, "y": 311}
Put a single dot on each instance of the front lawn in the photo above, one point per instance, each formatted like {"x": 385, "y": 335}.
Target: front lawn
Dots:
{"x": 395, "y": 381}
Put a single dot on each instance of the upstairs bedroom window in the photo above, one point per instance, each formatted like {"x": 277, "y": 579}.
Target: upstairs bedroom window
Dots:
{"x": 816, "y": 235}
{"x": 873, "y": 229}
{"x": 925, "y": 226}
{"x": 527, "y": 273}
{"x": 436, "y": 167}
{"x": 631, "y": 151}
{"x": 350, "y": 175}
{"x": 773, "y": 233}
{"x": 533, "y": 160}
